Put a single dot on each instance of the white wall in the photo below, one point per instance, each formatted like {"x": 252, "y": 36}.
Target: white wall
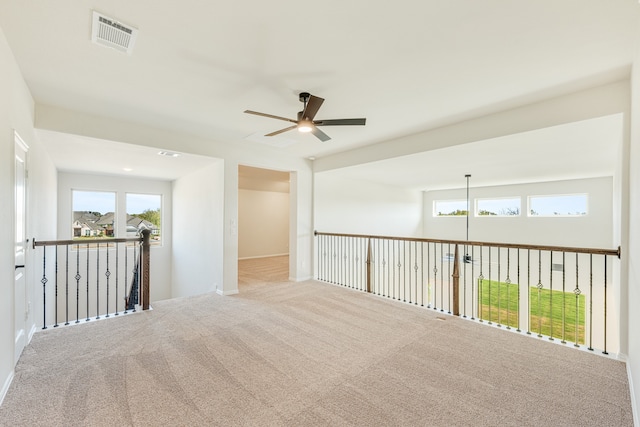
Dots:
{"x": 592, "y": 230}
{"x": 301, "y": 226}
{"x": 197, "y": 253}
{"x": 160, "y": 275}
{"x": 358, "y": 207}
{"x": 16, "y": 114}
{"x": 633, "y": 256}
{"x": 263, "y": 223}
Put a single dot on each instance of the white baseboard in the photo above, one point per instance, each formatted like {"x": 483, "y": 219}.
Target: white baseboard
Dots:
{"x": 634, "y": 403}
{"x": 31, "y": 332}
{"x": 5, "y": 387}
{"x": 300, "y": 279}
{"x": 226, "y": 293}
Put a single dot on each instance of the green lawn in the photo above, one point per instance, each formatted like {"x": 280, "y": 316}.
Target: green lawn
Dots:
{"x": 499, "y": 304}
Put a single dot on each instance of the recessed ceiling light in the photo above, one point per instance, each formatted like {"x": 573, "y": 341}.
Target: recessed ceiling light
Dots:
{"x": 127, "y": 169}
{"x": 168, "y": 154}
{"x": 312, "y": 158}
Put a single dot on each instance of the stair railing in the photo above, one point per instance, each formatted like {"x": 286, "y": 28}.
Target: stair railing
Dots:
{"x": 560, "y": 293}
{"x": 87, "y": 279}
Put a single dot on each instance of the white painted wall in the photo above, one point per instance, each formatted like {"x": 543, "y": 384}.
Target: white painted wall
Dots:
{"x": 197, "y": 253}
{"x": 633, "y": 256}
{"x": 17, "y": 113}
{"x": 263, "y": 223}
{"x": 160, "y": 274}
{"x": 592, "y": 230}
{"x": 358, "y": 207}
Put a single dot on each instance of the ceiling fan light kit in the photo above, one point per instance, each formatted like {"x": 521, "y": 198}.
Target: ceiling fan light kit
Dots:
{"x": 305, "y": 122}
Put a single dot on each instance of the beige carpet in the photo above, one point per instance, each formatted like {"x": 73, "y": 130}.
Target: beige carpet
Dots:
{"x": 306, "y": 354}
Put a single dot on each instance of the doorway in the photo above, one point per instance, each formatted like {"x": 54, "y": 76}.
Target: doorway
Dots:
{"x": 263, "y": 226}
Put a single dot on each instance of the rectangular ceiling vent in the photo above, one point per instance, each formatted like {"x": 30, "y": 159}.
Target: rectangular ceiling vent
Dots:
{"x": 111, "y": 33}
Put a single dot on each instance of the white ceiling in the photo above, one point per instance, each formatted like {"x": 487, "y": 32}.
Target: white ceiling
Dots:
{"x": 406, "y": 66}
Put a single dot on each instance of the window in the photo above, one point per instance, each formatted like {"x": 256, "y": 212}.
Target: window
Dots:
{"x": 507, "y": 206}
{"x": 449, "y": 208}
{"x": 558, "y": 205}
{"x": 93, "y": 214}
{"x": 144, "y": 212}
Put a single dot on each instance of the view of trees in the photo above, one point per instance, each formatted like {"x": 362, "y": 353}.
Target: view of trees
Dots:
{"x": 151, "y": 215}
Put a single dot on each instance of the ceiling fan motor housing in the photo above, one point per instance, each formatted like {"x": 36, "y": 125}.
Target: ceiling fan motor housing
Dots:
{"x": 304, "y": 97}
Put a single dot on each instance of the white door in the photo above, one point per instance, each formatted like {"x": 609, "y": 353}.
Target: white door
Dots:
{"x": 21, "y": 307}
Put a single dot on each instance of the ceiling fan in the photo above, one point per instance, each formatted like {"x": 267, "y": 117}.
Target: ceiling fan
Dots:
{"x": 306, "y": 122}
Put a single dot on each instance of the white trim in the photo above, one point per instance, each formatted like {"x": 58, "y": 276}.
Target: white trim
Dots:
{"x": 300, "y": 279}
{"x": 634, "y": 407}
{"x": 31, "y": 332}
{"x": 5, "y": 387}
{"x": 20, "y": 141}
{"x": 227, "y": 293}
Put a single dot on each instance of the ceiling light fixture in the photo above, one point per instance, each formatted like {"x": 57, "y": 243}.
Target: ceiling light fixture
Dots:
{"x": 168, "y": 154}
{"x": 127, "y": 169}
{"x": 305, "y": 126}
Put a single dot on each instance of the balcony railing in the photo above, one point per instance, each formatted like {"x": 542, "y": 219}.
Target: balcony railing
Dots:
{"x": 89, "y": 279}
{"x": 563, "y": 294}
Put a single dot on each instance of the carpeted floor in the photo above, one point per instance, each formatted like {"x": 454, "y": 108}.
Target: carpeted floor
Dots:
{"x": 306, "y": 354}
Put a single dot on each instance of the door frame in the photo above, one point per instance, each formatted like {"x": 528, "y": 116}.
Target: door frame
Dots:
{"x": 20, "y": 284}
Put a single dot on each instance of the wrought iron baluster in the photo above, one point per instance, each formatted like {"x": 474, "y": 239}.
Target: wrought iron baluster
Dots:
{"x": 519, "y": 310}
{"x": 499, "y": 292}
{"x": 44, "y": 281}
{"x": 422, "y": 273}
{"x": 449, "y": 286}
{"x": 508, "y": 283}
{"x": 441, "y": 277}
{"x": 78, "y": 277}
{"x": 397, "y": 267}
{"x": 87, "y": 271}
{"x": 591, "y": 302}
{"x": 117, "y": 276}
{"x": 107, "y": 274}
{"x": 604, "y": 351}
{"x": 490, "y": 318}
{"x": 539, "y": 294}
{"x": 345, "y": 260}
{"x": 406, "y": 271}
{"x": 473, "y": 290}
{"x": 550, "y": 296}
{"x": 465, "y": 261}
{"x": 428, "y": 274}
{"x": 577, "y": 293}
{"x": 136, "y": 272}
{"x": 393, "y": 280}
{"x": 481, "y": 286}
{"x": 528, "y": 291}
{"x": 98, "y": 281}
{"x": 55, "y": 325}
{"x": 388, "y": 262}
{"x": 415, "y": 269}
{"x": 67, "y": 286}
{"x": 564, "y": 327}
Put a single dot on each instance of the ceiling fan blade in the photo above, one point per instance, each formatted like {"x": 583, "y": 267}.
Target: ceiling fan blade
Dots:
{"x": 340, "y": 122}
{"x": 271, "y": 116}
{"x": 320, "y": 135}
{"x": 278, "y": 132}
{"x": 313, "y": 105}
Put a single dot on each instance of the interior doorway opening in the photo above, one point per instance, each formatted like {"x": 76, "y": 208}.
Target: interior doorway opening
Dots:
{"x": 263, "y": 226}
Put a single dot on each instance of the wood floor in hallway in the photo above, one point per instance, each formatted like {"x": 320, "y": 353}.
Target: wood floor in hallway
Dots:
{"x": 256, "y": 272}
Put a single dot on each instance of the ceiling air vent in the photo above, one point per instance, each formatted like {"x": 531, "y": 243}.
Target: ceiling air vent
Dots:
{"x": 112, "y": 33}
